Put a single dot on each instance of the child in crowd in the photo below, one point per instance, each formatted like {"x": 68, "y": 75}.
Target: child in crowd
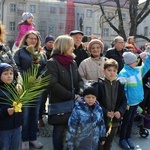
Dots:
{"x": 131, "y": 75}
{"x": 10, "y": 122}
{"x": 86, "y": 127}
{"x": 112, "y": 99}
{"x": 25, "y": 25}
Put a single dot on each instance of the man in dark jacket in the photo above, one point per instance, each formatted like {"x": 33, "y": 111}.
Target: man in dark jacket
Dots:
{"x": 79, "y": 51}
{"x": 117, "y": 51}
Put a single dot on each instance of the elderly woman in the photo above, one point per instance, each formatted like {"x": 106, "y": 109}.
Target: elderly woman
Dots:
{"x": 58, "y": 67}
{"x": 91, "y": 68}
{"x": 25, "y": 58}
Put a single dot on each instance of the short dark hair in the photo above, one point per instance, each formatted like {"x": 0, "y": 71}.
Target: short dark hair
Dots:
{"x": 111, "y": 63}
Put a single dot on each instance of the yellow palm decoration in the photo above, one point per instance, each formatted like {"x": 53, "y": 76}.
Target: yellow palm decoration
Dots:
{"x": 32, "y": 87}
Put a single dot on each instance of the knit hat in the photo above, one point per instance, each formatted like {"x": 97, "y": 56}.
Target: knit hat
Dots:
{"x": 90, "y": 90}
{"x": 26, "y": 15}
{"x": 4, "y": 66}
{"x": 129, "y": 58}
{"x": 49, "y": 38}
{"x": 95, "y": 41}
{"x": 76, "y": 32}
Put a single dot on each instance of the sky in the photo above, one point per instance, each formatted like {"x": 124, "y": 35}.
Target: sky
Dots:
{"x": 141, "y": 1}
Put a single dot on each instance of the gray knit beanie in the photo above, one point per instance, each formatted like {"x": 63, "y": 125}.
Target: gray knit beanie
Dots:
{"x": 129, "y": 58}
{"x": 26, "y": 15}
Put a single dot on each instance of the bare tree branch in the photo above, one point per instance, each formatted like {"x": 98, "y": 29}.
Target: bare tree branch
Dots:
{"x": 107, "y": 20}
{"x": 143, "y": 17}
{"x": 144, "y": 9}
{"x": 143, "y": 37}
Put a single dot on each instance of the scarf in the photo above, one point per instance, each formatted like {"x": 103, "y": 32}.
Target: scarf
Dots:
{"x": 65, "y": 60}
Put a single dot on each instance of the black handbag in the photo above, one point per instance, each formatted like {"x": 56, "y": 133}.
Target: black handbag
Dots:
{"x": 59, "y": 112}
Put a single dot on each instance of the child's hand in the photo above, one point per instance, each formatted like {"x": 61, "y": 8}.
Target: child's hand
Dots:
{"x": 18, "y": 87}
{"x": 76, "y": 96}
{"x": 10, "y": 111}
{"x": 117, "y": 114}
{"x": 110, "y": 114}
{"x": 102, "y": 142}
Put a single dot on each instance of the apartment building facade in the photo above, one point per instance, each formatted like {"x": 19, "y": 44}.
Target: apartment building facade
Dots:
{"x": 58, "y": 17}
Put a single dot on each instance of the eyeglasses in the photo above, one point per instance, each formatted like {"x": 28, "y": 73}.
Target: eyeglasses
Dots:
{"x": 32, "y": 38}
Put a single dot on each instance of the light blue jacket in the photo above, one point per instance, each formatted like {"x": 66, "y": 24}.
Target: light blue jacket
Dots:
{"x": 85, "y": 127}
{"x": 132, "y": 78}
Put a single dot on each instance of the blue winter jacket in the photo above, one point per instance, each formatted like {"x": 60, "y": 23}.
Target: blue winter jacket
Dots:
{"x": 132, "y": 78}
{"x": 86, "y": 127}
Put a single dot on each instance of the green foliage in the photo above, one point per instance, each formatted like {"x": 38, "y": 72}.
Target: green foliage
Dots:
{"x": 30, "y": 88}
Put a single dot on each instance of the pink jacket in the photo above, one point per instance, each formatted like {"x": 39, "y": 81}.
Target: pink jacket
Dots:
{"x": 23, "y": 29}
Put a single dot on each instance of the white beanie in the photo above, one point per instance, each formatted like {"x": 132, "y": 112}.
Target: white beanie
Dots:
{"x": 26, "y": 15}
{"x": 129, "y": 58}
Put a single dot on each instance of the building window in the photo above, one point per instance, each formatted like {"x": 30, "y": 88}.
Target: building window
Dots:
{"x": 145, "y": 31}
{"x": 12, "y": 7}
{"x": 105, "y": 32}
{"x": 89, "y": 13}
{"x": 60, "y": 26}
{"x": 123, "y": 17}
{"x": 51, "y": 28}
{"x": 62, "y": 10}
{"x": 11, "y": 26}
{"x": 88, "y": 30}
{"x": 32, "y": 8}
{"x": 53, "y": 10}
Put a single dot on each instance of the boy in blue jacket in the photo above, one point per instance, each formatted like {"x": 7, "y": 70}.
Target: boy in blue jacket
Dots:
{"x": 10, "y": 122}
{"x": 86, "y": 127}
{"x": 131, "y": 75}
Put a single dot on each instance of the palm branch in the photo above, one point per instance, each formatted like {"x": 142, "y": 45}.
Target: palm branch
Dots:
{"x": 32, "y": 87}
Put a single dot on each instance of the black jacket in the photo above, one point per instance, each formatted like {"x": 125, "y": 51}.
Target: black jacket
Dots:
{"x": 60, "y": 81}
{"x": 80, "y": 53}
{"x": 121, "y": 101}
{"x": 7, "y": 121}
{"x": 115, "y": 54}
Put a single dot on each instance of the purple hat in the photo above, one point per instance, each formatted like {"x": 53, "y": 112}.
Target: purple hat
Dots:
{"x": 49, "y": 38}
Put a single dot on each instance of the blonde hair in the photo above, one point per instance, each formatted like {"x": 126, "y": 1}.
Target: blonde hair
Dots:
{"x": 24, "y": 38}
{"x": 63, "y": 43}
{"x": 129, "y": 38}
{"x": 2, "y": 33}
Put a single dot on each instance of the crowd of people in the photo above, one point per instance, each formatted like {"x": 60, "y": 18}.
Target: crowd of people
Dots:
{"x": 120, "y": 83}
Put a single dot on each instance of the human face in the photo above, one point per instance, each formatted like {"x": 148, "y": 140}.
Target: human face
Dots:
{"x": 70, "y": 51}
{"x": 110, "y": 73}
{"x": 96, "y": 50}
{"x": 30, "y": 20}
{"x": 49, "y": 45}
{"x": 90, "y": 99}
{"x": 7, "y": 76}
{"x": 31, "y": 39}
{"x": 133, "y": 65}
{"x": 77, "y": 39}
{"x": 119, "y": 44}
